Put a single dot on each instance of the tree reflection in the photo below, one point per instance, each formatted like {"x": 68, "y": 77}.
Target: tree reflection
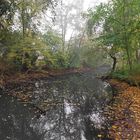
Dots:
{"x": 73, "y": 107}
{"x": 15, "y": 120}
{"x": 72, "y": 118}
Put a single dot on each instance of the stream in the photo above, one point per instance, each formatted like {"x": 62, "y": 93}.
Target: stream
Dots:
{"x": 71, "y": 107}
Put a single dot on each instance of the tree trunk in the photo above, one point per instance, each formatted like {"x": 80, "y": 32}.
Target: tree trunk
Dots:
{"x": 126, "y": 41}
{"x": 137, "y": 56}
{"x": 128, "y": 57}
{"x": 114, "y": 62}
{"x": 23, "y": 19}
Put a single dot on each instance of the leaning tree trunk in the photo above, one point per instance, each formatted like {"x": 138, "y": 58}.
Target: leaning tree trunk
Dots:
{"x": 114, "y": 62}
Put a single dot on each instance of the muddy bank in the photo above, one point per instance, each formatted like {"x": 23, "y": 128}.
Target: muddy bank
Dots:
{"x": 7, "y": 79}
{"x": 124, "y": 112}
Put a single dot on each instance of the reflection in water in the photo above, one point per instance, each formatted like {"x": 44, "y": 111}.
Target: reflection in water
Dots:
{"x": 15, "y": 120}
{"x": 74, "y": 110}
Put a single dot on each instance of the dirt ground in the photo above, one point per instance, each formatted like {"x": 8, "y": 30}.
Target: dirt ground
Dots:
{"x": 124, "y": 112}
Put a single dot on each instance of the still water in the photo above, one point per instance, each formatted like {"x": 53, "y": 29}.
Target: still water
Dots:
{"x": 72, "y": 108}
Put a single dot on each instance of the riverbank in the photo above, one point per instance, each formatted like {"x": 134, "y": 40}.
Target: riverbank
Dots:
{"x": 124, "y": 112}
{"x": 131, "y": 77}
{"x": 19, "y": 77}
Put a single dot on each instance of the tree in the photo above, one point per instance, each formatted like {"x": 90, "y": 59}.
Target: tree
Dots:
{"x": 22, "y": 51}
{"x": 68, "y": 18}
{"x": 102, "y": 27}
{"x": 6, "y": 13}
{"x": 118, "y": 21}
{"x": 28, "y": 10}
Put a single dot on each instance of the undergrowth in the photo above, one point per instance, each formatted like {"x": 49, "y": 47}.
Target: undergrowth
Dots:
{"x": 126, "y": 73}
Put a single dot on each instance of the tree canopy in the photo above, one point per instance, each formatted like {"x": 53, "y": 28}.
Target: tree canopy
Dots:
{"x": 117, "y": 26}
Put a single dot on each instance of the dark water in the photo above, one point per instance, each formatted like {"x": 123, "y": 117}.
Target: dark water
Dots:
{"x": 73, "y": 110}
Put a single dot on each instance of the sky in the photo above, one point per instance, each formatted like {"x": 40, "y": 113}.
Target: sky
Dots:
{"x": 44, "y": 19}
{"x": 92, "y": 3}
{"x": 87, "y": 4}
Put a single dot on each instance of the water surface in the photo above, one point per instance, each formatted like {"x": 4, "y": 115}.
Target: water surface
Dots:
{"x": 72, "y": 107}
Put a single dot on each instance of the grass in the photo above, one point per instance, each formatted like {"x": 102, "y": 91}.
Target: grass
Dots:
{"x": 128, "y": 75}
{"x": 120, "y": 74}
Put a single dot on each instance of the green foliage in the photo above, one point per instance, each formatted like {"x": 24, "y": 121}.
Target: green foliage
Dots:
{"x": 61, "y": 59}
{"x": 24, "y": 53}
{"x": 55, "y": 56}
{"x": 56, "y": 60}
{"x": 120, "y": 74}
{"x": 26, "y": 49}
{"x": 4, "y": 7}
{"x": 74, "y": 57}
{"x": 135, "y": 70}
{"x": 52, "y": 39}
{"x": 119, "y": 20}
{"x": 126, "y": 73}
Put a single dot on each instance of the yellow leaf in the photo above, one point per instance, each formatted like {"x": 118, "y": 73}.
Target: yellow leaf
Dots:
{"x": 114, "y": 127}
{"x": 99, "y": 136}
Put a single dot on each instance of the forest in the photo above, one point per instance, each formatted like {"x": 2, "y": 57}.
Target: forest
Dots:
{"x": 51, "y": 38}
{"x": 57, "y": 35}
{"x": 51, "y": 35}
